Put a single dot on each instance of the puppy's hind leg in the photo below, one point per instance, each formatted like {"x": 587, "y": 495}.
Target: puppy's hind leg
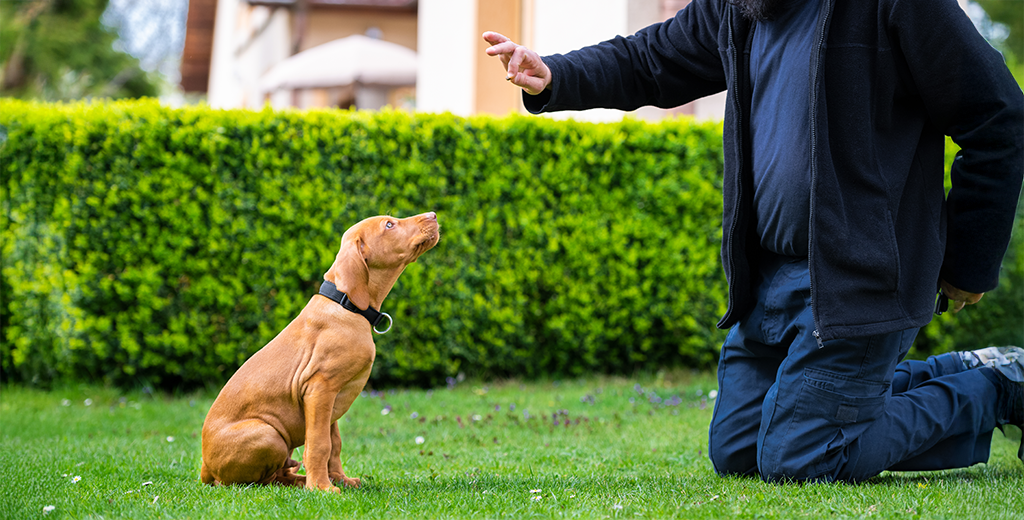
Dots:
{"x": 288, "y": 475}
{"x": 247, "y": 452}
{"x": 206, "y": 476}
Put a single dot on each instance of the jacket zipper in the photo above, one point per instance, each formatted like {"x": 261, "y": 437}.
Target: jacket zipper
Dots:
{"x": 737, "y": 102}
{"x": 815, "y": 76}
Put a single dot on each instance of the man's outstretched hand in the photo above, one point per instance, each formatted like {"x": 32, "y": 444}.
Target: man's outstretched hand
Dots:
{"x": 523, "y": 67}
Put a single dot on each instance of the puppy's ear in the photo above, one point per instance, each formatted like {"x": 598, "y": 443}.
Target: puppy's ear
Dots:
{"x": 351, "y": 274}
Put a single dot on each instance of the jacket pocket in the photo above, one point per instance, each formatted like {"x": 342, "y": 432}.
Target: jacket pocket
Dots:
{"x": 862, "y": 251}
{"x": 893, "y": 274}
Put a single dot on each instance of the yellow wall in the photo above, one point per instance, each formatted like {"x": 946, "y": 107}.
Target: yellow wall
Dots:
{"x": 493, "y": 94}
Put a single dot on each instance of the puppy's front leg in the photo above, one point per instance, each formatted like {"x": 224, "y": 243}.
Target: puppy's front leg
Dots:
{"x": 334, "y": 469}
{"x": 319, "y": 403}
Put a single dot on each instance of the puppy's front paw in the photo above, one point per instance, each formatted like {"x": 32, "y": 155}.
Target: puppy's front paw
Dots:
{"x": 326, "y": 486}
{"x": 341, "y": 479}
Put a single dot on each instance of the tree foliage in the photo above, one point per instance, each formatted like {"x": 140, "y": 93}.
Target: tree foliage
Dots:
{"x": 60, "y": 50}
{"x": 1010, "y": 14}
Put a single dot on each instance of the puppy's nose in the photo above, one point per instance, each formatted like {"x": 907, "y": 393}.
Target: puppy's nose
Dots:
{"x": 430, "y": 215}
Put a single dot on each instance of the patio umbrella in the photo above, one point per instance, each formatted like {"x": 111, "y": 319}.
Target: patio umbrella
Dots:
{"x": 352, "y": 60}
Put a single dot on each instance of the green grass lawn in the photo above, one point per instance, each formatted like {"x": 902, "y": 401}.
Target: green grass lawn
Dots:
{"x": 591, "y": 448}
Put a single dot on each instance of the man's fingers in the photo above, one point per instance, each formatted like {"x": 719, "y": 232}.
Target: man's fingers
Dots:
{"x": 501, "y": 48}
{"x": 531, "y": 84}
{"x": 523, "y": 67}
{"x": 494, "y": 38}
{"x": 960, "y": 304}
{"x": 957, "y": 304}
{"x": 518, "y": 55}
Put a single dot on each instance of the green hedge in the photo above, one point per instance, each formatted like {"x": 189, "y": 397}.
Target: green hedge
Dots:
{"x": 143, "y": 244}
{"x": 158, "y": 246}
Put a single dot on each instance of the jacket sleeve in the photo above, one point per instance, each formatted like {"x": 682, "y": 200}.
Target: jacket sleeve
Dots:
{"x": 969, "y": 94}
{"x": 665, "y": 65}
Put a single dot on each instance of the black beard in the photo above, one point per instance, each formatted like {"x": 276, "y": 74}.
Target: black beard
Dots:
{"x": 758, "y": 10}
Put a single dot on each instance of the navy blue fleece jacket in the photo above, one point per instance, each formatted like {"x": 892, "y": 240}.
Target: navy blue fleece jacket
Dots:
{"x": 889, "y": 79}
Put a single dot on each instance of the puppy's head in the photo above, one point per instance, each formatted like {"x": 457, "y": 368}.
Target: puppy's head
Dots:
{"x": 375, "y": 251}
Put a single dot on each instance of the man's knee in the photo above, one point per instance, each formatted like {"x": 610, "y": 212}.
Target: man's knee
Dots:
{"x": 811, "y": 452}
{"x": 794, "y": 469}
{"x": 732, "y": 458}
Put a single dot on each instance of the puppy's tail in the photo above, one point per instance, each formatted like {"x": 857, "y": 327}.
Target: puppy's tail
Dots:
{"x": 206, "y": 476}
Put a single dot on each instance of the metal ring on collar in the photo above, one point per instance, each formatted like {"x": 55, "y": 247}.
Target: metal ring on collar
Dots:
{"x": 390, "y": 323}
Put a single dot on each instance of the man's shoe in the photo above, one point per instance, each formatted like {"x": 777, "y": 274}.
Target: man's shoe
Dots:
{"x": 1008, "y": 364}
{"x": 1008, "y": 357}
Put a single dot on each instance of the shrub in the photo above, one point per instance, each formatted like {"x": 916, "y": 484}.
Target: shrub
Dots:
{"x": 143, "y": 244}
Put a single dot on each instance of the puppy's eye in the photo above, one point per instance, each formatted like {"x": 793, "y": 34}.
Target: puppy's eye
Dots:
{"x": 389, "y": 225}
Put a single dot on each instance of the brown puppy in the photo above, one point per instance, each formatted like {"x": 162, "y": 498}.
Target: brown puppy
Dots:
{"x": 293, "y": 390}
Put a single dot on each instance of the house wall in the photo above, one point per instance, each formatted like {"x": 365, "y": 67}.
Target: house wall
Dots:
{"x": 247, "y": 42}
{"x": 561, "y": 26}
{"x": 330, "y": 24}
{"x": 493, "y": 95}
{"x": 447, "y": 49}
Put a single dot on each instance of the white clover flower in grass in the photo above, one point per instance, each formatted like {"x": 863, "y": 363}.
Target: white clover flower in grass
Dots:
{"x": 385, "y": 411}
{"x": 420, "y": 439}
{"x": 48, "y": 509}
{"x": 170, "y": 439}
{"x": 88, "y": 402}
{"x": 713, "y": 394}
{"x": 64, "y": 402}
{"x": 617, "y": 506}
{"x": 477, "y": 417}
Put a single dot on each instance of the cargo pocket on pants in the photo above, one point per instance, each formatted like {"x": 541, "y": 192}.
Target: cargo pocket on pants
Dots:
{"x": 831, "y": 412}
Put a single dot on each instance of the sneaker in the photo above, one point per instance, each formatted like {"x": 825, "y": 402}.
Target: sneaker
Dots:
{"x": 1008, "y": 362}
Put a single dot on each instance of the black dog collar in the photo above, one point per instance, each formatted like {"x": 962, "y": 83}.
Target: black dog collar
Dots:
{"x": 372, "y": 315}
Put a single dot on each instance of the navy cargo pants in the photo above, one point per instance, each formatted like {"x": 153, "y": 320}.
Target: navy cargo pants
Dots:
{"x": 788, "y": 409}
